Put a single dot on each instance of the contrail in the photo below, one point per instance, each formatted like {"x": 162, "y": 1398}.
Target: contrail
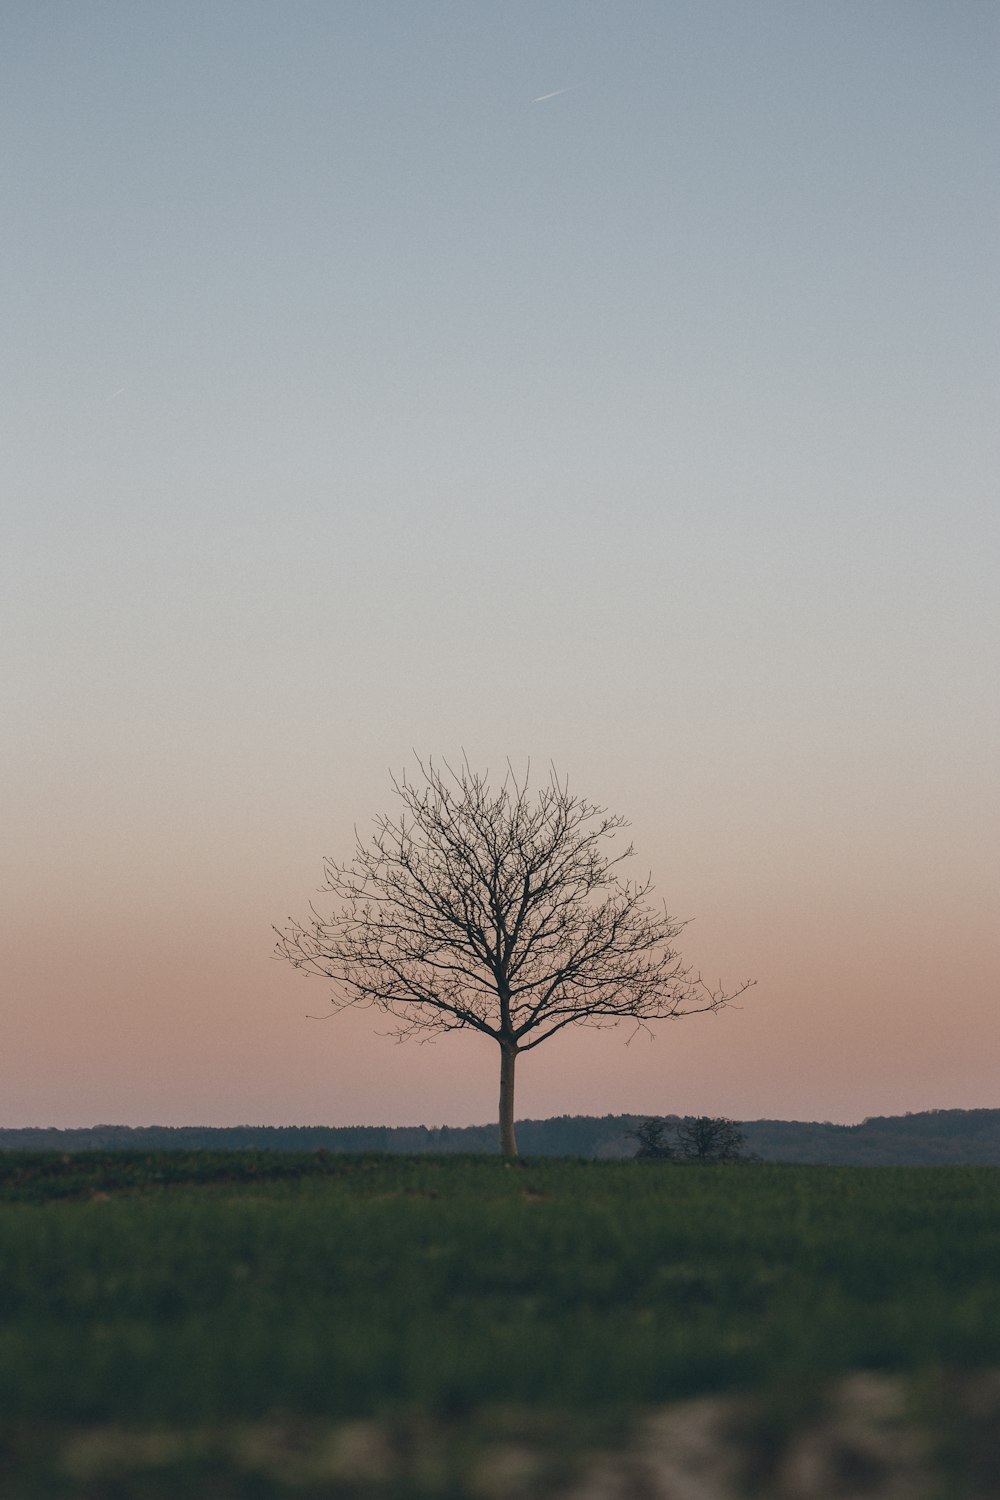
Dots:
{"x": 115, "y": 394}
{"x": 555, "y": 94}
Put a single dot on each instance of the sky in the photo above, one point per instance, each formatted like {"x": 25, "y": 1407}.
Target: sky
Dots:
{"x": 360, "y": 402}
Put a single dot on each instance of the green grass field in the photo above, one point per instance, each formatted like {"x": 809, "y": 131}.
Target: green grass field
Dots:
{"x": 180, "y": 1294}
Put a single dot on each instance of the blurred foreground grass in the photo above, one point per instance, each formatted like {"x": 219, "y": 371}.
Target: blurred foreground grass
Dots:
{"x": 192, "y": 1305}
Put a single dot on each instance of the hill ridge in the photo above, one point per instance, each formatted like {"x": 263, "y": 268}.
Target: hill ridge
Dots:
{"x": 924, "y": 1137}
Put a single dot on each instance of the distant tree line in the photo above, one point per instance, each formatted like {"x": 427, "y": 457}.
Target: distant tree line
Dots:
{"x": 582, "y": 1135}
{"x": 941, "y": 1137}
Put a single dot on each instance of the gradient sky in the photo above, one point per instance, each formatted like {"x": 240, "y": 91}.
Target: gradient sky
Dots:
{"x": 353, "y": 403}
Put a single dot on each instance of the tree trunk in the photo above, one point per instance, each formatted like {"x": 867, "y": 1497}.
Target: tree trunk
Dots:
{"x": 508, "y": 1142}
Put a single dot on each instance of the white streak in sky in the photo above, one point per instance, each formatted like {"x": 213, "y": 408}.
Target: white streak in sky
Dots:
{"x": 555, "y": 94}
{"x": 115, "y": 394}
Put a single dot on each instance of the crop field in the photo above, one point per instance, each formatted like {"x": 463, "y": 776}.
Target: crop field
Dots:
{"x": 255, "y": 1324}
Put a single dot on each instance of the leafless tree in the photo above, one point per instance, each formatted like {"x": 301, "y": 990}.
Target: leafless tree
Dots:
{"x": 498, "y": 911}
{"x": 710, "y": 1138}
{"x": 654, "y": 1141}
